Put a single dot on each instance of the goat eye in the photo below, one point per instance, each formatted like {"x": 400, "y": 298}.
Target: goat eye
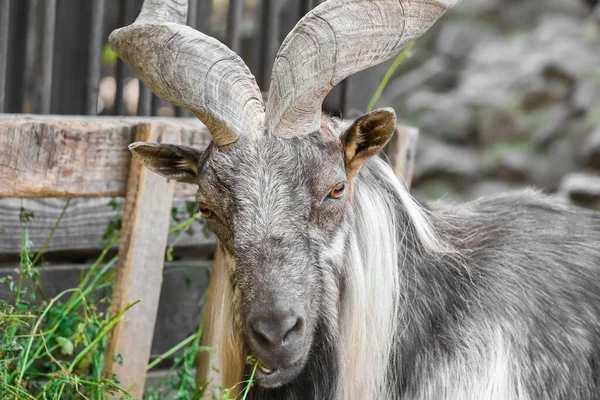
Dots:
{"x": 204, "y": 210}
{"x": 337, "y": 191}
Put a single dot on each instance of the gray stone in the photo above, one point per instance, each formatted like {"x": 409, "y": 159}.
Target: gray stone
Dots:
{"x": 523, "y": 12}
{"x": 586, "y": 95}
{"x": 415, "y": 80}
{"x": 457, "y": 39}
{"x": 478, "y": 6}
{"x": 500, "y": 70}
{"x": 592, "y": 150}
{"x": 513, "y": 166}
{"x": 497, "y": 125}
{"x": 549, "y": 169}
{"x": 426, "y": 100}
{"x": 489, "y": 188}
{"x": 543, "y": 92}
{"x": 452, "y": 124}
{"x": 435, "y": 158}
{"x": 555, "y": 127}
{"x": 565, "y": 44}
{"x": 582, "y": 189}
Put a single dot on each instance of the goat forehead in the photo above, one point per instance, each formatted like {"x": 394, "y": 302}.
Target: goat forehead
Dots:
{"x": 275, "y": 165}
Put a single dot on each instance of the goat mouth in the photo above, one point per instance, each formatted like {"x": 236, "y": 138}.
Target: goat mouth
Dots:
{"x": 276, "y": 377}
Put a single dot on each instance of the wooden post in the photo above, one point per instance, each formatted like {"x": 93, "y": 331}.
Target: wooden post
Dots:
{"x": 140, "y": 266}
{"x": 403, "y": 155}
{"x": 212, "y": 331}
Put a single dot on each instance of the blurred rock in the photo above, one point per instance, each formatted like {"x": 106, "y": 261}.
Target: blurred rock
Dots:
{"x": 543, "y": 92}
{"x": 549, "y": 169}
{"x": 426, "y": 100}
{"x": 585, "y": 95}
{"x": 452, "y": 124}
{"x": 478, "y": 6}
{"x": 566, "y": 45}
{"x": 582, "y": 189}
{"x": 554, "y": 127}
{"x": 497, "y": 125}
{"x": 592, "y": 150}
{"x": 513, "y": 166}
{"x": 557, "y": 52}
{"x": 435, "y": 158}
{"x": 488, "y": 188}
{"x": 457, "y": 39}
{"x": 416, "y": 79}
{"x": 512, "y": 100}
{"x": 523, "y": 13}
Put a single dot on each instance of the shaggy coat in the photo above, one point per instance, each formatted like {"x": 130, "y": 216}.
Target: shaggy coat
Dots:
{"x": 503, "y": 302}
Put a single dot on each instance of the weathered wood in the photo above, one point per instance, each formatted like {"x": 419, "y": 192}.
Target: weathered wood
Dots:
{"x": 208, "y": 365}
{"x": 139, "y": 269}
{"x": 180, "y": 308}
{"x": 405, "y": 149}
{"x": 81, "y": 228}
{"x": 76, "y": 157}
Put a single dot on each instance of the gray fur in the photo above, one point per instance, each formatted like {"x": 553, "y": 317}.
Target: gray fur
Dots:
{"x": 493, "y": 299}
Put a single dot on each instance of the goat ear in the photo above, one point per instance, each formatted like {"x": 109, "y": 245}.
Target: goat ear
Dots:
{"x": 178, "y": 163}
{"x": 366, "y": 137}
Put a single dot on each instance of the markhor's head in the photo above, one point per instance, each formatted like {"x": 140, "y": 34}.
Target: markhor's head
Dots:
{"x": 277, "y": 185}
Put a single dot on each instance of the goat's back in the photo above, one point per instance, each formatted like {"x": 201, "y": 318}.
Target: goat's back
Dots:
{"x": 515, "y": 313}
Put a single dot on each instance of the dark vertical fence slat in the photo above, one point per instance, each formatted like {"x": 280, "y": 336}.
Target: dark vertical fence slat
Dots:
{"x": 72, "y": 55}
{"x": 306, "y": 6}
{"x": 234, "y": 21}
{"x": 204, "y": 11}
{"x": 30, "y": 95}
{"x": 268, "y": 41}
{"x": 127, "y": 16}
{"x": 145, "y": 101}
{"x": 15, "y": 69}
{"x": 94, "y": 56}
{"x": 47, "y": 55}
{"x": 4, "y": 10}
{"x": 156, "y": 103}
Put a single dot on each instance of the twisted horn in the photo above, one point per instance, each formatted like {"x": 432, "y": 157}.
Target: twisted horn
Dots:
{"x": 333, "y": 41}
{"x": 191, "y": 70}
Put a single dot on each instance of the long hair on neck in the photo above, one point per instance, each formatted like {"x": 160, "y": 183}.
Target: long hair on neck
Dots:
{"x": 387, "y": 224}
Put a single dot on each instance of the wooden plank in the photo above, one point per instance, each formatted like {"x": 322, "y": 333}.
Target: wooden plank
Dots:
{"x": 180, "y": 306}
{"x": 139, "y": 269}
{"x": 82, "y": 226}
{"x": 212, "y": 332}
{"x": 404, "y": 152}
{"x": 77, "y": 157}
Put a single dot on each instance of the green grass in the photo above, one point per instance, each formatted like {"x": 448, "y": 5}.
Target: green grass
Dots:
{"x": 388, "y": 75}
{"x": 54, "y": 348}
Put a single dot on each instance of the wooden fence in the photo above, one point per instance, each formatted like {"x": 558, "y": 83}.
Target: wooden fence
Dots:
{"x": 44, "y": 157}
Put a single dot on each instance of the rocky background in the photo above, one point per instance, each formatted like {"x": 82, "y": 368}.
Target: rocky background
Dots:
{"x": 507, "y": 94}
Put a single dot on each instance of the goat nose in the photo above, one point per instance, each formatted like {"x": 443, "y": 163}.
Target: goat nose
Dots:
{"x": 276, "y": 329}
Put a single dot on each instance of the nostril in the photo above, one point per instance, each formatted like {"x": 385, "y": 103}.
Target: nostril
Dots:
{"x": 297, "y": 328}
{"x": 261, "y": 337}
{"x": 274, "y": 331}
